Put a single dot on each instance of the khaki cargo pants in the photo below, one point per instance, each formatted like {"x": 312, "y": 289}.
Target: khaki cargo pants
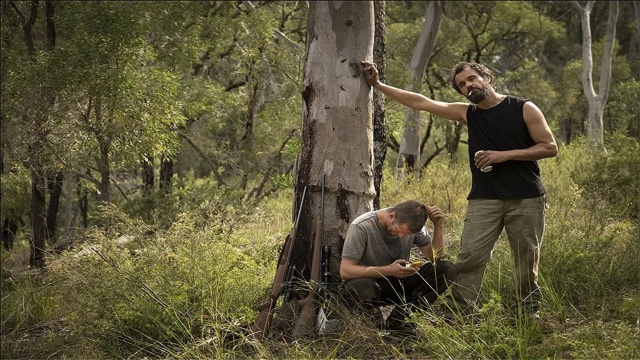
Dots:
{"x": 523, "y": 220}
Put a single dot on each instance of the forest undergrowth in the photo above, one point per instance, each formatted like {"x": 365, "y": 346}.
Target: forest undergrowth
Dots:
{"x": 178, "y": 276}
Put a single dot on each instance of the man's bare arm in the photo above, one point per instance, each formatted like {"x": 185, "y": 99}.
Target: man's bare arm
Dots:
{"x": 351, "y": 269}
{"x": 545, "y": 144}
{"x": 453, "y": 111}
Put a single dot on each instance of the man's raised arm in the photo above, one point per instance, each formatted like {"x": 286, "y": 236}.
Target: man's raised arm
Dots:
{"x": 453, "y": 111}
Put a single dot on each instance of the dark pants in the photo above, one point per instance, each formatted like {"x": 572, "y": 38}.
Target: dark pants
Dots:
{"x": 419, "y": 290}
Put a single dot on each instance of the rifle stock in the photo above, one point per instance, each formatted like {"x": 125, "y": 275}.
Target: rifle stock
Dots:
{"x": 259, "y": 329}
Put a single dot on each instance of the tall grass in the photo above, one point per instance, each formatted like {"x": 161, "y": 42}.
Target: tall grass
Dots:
{"x": 182, "y": 281}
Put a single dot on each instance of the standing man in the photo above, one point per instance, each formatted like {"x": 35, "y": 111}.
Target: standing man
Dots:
{"x": 375, "y": 261}
{"x": 507, "y": 136}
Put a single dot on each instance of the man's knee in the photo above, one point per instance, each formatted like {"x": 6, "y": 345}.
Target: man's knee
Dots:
{"x": 448, "y": 270}
{"x": 469, "y": 261}
{"x": 362, "y": 290}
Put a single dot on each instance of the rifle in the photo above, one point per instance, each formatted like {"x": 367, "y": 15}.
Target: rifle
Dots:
{"x": 260, "y": 327}
{"x": 324, "y": 292}
{"x": 307, "y": 317}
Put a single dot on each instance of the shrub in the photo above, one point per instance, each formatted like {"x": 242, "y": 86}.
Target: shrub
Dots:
{"x": 613, "y": 176}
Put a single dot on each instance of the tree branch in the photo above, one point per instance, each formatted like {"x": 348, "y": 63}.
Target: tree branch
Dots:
{"x": 256, "y": 192}
{"x": 212, "y": 166}
{"x": 13, "y": 5}
{"x": 432, "y": 156}
{"x": 278, "y": 34}
{"x": 392, "y": 143}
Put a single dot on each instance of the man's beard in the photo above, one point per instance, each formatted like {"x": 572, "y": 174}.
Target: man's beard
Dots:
{"x": 477, "y": 95}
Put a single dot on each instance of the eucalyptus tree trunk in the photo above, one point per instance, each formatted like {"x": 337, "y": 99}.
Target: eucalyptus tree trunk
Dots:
{"x": 597, "y": 101}
{"x": 409, "y": 154}
{"x": 337, "y": 130}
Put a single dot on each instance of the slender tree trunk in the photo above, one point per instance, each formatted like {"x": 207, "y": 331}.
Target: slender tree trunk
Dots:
{"x": 102, "y": 160}
{"x": 337, "y": 129}
{"x": 83, "y": 203}
{"x": 379, "y": 112}
{"x": 9, "y": 231}
{"x": 166, "y": 173}
{"x": 68, "y": 206}
{"x": 147, "y": 175}
{"x": 38, "y": 219}
{"x": 634, "y": 52}
{"x": 248, "y": 137}
{"x": 453, "y": 135}
{"x": 409, "y": 155}
{"x": 37, "y": 206}
{"x": 597, "y": 101}
{"x": 55, "y": 191}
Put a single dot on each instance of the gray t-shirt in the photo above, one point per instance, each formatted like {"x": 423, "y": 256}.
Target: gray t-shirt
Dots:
{"x": 367, "y": 243}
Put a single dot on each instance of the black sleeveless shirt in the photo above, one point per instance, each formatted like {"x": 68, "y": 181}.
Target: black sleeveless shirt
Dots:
{"x": 502, "y": 128}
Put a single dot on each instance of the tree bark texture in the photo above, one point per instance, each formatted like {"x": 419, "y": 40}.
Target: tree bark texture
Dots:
{"x": 337, "y": 129}
{"x": 379, "y": 112}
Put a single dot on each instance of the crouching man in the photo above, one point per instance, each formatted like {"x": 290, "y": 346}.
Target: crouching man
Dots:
{"x": 375, "y": 265}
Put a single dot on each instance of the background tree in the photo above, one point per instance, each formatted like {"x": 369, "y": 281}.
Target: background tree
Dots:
{"x": 33, "y": 116}
{"x": 409, "y": 154}
{"x": 597, "y": 101}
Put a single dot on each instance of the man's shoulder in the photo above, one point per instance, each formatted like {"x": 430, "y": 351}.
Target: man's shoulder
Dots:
{"x": 513, "y": 99}
{"x": 365, "y": 218}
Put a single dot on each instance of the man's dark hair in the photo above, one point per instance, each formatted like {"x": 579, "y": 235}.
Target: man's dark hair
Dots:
{"x": 482, "y": 70}
{"x": 411, "y": 213}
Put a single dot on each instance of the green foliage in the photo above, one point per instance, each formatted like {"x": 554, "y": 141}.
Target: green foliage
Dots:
{"x": 181, "y": 284}
{"x": 612, "y": 176}
{"x": 592, "y": 229}
{"x": 15, "y": 191}
{"x": 95, "y": 92}
{"x": 173, "y": 275}
{"x": 134, "y": 288}
{"x": 622, "y": 113}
